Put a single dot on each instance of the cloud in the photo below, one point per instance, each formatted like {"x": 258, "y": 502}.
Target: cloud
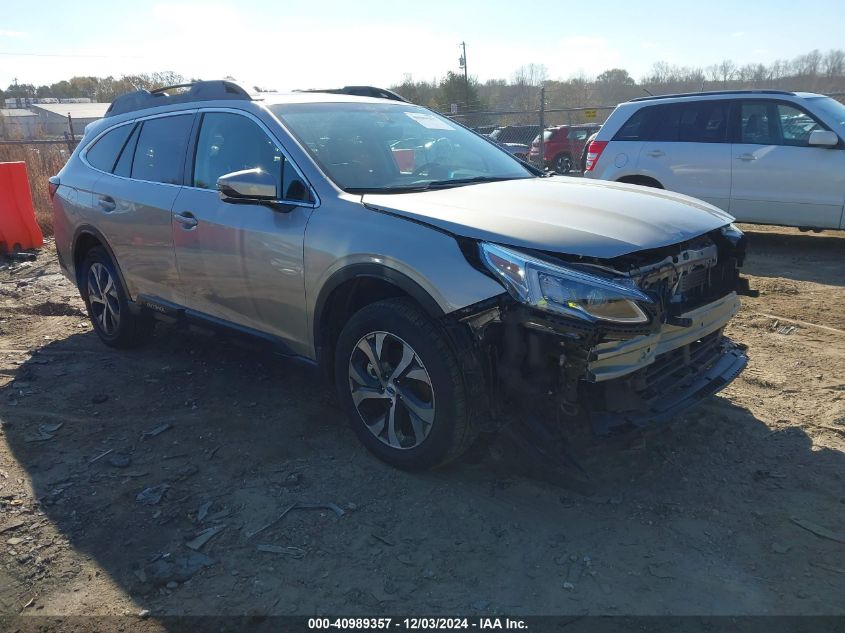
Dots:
{"x": 15, "y": 34}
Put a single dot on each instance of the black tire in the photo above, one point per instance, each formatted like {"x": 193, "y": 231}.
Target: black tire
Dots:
{"x": 562, "y": 163}
{"x": 129, "y": 329}
{"x": 451, "y": 432}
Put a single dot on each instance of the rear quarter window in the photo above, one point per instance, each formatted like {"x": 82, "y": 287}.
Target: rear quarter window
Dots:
{"x": 104, "y": 152}
{"x": 637, "y": 127}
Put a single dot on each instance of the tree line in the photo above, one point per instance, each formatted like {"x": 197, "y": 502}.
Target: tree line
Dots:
{"x": 99, "y": 89}
{"x": 814, "y": 71}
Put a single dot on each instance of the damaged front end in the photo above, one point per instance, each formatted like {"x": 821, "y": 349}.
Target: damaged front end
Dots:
{"x": 621, "y": 342}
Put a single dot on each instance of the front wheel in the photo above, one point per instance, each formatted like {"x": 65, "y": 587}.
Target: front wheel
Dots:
{"x": 399, "y": 380}
{"x": 563, "y": 163}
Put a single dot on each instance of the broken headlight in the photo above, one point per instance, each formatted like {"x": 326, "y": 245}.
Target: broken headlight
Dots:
{"x": 564, "y": 290}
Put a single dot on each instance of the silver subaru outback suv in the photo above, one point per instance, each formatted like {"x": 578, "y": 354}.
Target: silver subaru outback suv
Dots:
{"x": 446, "y": 287}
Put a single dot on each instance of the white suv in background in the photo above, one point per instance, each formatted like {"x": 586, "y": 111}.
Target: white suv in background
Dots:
{"x": 765, "y": 156}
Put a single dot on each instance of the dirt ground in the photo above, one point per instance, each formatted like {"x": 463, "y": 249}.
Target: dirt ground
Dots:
{"x": 732, "y": 509}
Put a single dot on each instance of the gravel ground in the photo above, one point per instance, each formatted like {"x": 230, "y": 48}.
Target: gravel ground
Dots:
{"x": 113, "y": 464}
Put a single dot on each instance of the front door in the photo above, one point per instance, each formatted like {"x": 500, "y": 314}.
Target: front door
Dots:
{"x": 778, "y": 178}
{"x": 242, "y": 263}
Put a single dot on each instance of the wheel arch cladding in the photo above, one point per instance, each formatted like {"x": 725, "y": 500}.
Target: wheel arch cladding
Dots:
{"x": 645, "y": 181}
{"x": 86, "y": 238}
{"x": 354, "y": 287}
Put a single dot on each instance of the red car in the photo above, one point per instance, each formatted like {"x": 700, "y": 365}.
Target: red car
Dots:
{"x": 563, "y": 146}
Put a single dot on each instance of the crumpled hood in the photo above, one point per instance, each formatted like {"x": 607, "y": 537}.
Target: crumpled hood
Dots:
{"x": 590, "y": 218}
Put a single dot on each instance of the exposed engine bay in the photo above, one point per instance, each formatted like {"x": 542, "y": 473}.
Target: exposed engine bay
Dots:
{"x": 631, "y": 372}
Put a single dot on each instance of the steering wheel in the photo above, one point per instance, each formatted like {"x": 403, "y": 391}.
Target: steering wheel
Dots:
{"x": 442, "y": 149}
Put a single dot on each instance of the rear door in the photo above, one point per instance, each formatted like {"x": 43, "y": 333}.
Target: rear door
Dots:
{"x": 134, "y": 198}
{"x": 687, "y": 150}
{"x": 242, "y": 263}
{"x": 778, "y": 178}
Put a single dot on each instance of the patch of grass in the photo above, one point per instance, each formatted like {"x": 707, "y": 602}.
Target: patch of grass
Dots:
{"x": 42, "y": 161}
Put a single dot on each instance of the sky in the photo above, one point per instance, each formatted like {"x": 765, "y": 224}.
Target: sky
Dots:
{"x": 324, "y": 43}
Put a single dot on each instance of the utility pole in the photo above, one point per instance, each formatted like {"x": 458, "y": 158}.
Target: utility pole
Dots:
{"x": 463, "y": 64}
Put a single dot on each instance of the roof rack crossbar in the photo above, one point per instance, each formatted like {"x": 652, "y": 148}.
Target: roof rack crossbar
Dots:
{"x": 713, "y": 92}
{"x": 197, "y": 91}
{"x": 156, "y": 91}
{"x": 362, "y": 91}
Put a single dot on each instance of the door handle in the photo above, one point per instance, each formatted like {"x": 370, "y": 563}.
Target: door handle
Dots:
{"x": 746, "y": 157}
{"x": 187, "y": 219}
{"x": 655, "y": 153}
{"x": 106, "y": 203}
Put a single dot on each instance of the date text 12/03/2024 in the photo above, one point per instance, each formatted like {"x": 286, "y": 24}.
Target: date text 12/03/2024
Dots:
{"x": 414, "y": 624}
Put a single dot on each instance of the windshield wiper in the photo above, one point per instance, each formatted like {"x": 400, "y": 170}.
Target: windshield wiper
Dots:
{"x": 458, "y": 182}
{"x": 429, "y": 186}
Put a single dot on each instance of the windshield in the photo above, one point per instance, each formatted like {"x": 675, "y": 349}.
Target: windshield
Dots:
{"x": 831, "y": 107}
{"x": 374, "y": 147}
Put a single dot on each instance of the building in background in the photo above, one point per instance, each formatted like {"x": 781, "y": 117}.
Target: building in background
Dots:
{"x": 53, "y": 117}
{"x": 18, "y": 124}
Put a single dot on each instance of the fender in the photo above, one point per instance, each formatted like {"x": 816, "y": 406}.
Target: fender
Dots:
{"x": 87, "y": 229}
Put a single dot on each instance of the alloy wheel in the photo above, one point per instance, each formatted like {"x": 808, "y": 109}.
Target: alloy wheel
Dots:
{"x": 102, "y": 297}
{"x": 391, "y": 390}
{"x": 563, "y": 165}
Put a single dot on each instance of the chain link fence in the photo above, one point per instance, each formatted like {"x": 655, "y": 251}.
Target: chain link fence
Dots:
{"x": 566, "y": 133}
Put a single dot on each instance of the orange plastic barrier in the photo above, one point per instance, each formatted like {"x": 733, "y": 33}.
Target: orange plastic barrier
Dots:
{"x": 18, "y": 228}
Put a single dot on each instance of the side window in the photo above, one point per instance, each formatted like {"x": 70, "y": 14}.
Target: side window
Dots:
{"x": 231, "y": 142}
{"x": 756, "y": 123}
{"x": 637, "y": 127}
{"x": 103, "y": 154}
{"x": 160, "y": 150}
{"x": 703, "y": 122}
{"x": 124, "y": 163}
{"x": 667, "y": 121}
{"x": 796, "y": 125}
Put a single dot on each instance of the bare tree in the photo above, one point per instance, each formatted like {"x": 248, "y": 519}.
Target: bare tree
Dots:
{"x": 834, "y": 63}
{"x": 527, "y": 79}
{"x": 727, "y": 70}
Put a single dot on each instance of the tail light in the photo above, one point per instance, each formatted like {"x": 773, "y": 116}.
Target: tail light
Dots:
{"x": 594, "y": 150}
{"x": 53, "y": 185}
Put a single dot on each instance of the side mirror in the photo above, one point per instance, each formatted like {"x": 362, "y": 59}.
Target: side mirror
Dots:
{"x": 823, "y": 138}
{"x": 247, "y": 185}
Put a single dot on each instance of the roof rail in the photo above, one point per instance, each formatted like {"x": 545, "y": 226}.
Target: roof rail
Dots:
{"x": 363, "y": 91}
{"x": 197, "y": 91}
{"x": 714, "y": 92}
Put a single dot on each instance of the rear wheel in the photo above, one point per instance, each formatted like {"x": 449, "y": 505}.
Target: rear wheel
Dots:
{"x": 398, "y": 378}
{"x": 107, "y": 303}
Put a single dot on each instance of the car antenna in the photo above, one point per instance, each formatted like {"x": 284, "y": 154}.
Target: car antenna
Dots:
{"x": 646, "y": 91}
